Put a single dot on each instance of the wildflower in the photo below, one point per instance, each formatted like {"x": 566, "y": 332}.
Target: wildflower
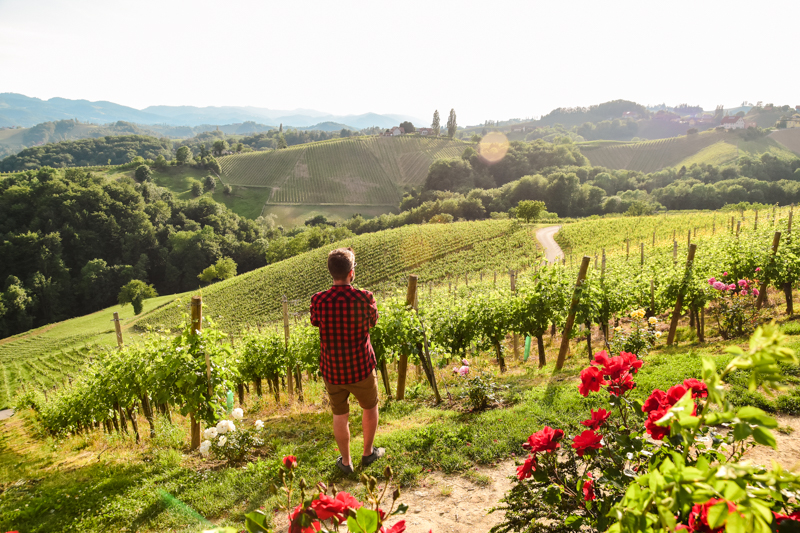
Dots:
{"x": 290, "y": 462}
{"x": 599, "y": 418}
{"x": 238, "y": 413}
{"x": 222, "y": 440}
{"x": 588, "y": 488}
{"x": 591, "y": 380}
{"x": 526, "y": 469}
{"x": 204, "y": 447}
{"x": 545, "y": 440}
{"x": 259, "y": 424}
{"x": 586, "y": 441}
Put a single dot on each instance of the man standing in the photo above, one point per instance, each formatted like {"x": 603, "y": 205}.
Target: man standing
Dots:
{"x": 344, "y": 316}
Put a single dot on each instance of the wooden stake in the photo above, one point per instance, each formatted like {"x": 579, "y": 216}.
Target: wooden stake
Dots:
{"x": 627, "y": 249}
{"x": 762, "y": 294}
{"x": 197, "y": 326}
{"x": 576, "y": 296}
{"x": 402, "y": 366}
{"x": 641, "y": 245}
{"x": 118, "y": 329}
{"x": 603, "y": 265}
{"x": 289, "y": 369}
{"x": 738, "y": 227}
{"x": 654, "y": 237}
{"x": 791, "y": 212}
{"x": 513, "y": 278}
{"x": 755, "y": 222}
{"x": 674, "y": 252}
{"x": 689, "y": 238}
{"x": 673, "y": 327}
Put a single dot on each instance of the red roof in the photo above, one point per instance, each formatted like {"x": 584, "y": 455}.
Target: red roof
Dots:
{"x": 730, "y": 120}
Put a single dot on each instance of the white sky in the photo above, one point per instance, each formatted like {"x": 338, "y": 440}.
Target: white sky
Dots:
{"x": 492, "y": 59}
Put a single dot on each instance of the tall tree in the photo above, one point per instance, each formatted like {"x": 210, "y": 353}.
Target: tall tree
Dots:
{"x": 452, "y": 126}
{"x": 183, "y": 154}
{"x": 435, "y": 125}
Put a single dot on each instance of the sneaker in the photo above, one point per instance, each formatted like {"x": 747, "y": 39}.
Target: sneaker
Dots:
{"x": 345, "y": 469}
{"x": 376, "y": 454}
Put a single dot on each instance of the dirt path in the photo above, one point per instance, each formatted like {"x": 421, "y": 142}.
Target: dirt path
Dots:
{"x": 552, "y": 251}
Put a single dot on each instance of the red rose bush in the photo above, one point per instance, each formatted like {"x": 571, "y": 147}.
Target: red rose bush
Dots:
{"x": 671, "y": 462}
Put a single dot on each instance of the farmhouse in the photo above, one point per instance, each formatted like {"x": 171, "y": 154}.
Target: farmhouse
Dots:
{"x": 733, "y": 123}
{"x": 793, "y": 121}
{"x": 397, "y": 130}
{"x": 425, "y": 131}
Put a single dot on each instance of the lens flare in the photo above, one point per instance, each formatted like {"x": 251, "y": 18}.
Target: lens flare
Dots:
{"x": 493, "y": 147}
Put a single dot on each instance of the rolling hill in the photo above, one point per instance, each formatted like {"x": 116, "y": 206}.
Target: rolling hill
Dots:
{"x": 710, "y": 147}
{"x": 355, "y": 171}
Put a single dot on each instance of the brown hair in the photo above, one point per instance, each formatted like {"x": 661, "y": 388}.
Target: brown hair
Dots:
{"x": 340, "y": 262}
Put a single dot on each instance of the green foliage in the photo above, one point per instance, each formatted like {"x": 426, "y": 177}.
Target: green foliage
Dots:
{"x": 224, "y": 268}
{"x": 143, "y": 173}
{"x": 135, "y": 292}
{"x": 530, "y": 209}
{"x": 209, "y": 183}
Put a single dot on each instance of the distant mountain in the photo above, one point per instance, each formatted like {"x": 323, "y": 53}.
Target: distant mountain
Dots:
{"x": 20, "y": 110}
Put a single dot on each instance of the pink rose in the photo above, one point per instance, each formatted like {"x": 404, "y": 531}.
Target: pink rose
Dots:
{"x": 711, "y": 281}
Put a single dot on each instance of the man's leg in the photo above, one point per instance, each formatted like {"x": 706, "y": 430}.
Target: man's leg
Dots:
{"x": 341, "y": 431}
{"x": 369, "y": 424}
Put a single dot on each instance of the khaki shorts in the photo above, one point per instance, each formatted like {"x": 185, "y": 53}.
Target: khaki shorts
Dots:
{"x": 365, "y": 391}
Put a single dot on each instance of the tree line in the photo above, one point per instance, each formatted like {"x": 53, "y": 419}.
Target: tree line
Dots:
{"x": 70, "y": 240}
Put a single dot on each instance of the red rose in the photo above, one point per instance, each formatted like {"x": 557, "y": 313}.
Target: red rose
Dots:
{"x": 699, "y": 389}
{"x": 591, "y": 380}
{"x": 526, "y": 469}
{"x": 545, "y": 440}
{"x": 399, "y": 527}
{"x": 657, "y": 432}
{"x": 588, "y": 440}
{"x": 601, "y": 358}
{"x": 675, "y": 393}
{"x": 633, "y": 362}
{"x": 622, "y": 384}
{"x": 656, "y": 401}
{"x": 599, "y": 418}
{"x": 290, "y": 462}
{"x": 296, "y": 519}
{"x": 588, "y": 488}
{"x": 698, "y": 517}
{"x": 615, "y": 367}
{"x": 327, "y": 507}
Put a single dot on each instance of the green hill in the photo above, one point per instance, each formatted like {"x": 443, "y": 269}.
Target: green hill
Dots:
{"x": 712, "y": 147}
{"x": 357, "y": 171}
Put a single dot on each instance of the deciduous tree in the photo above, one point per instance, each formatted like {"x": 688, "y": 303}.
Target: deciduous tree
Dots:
{"x": 452, "y": 126}
{"x": 136, "y": 292}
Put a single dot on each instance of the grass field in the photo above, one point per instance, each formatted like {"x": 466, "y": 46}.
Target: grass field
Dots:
{"x": 361, "y": 171}
{"x": 710, "y": 147}
{"x": 790, "y": 138}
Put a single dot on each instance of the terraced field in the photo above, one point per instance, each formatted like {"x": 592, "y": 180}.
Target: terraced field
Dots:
{"x": 359, "y": 171}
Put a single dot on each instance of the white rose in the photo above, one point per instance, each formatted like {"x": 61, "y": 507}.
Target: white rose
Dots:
{"x": 259, "y": 424}
{"x": 222, "y": 427}
{"x": 231, "y": 427}
{"x": 204, "y": 447}
{"x": 210, "y": 433}
{"x": 222, "y": 441}
{"x": 238, "y": 413}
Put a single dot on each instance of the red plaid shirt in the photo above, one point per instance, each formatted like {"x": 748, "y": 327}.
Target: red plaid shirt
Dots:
{"x": 344, "y": 316}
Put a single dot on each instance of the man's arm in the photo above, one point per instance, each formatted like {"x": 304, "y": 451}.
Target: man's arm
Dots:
{"x": 314, "y": 315}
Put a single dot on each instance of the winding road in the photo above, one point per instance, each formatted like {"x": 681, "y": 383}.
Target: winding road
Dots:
{"x": 552, "y": 251}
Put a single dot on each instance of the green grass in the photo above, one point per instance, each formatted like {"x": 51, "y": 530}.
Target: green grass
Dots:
{"x": 719, "y": 153}
{"x": 355, "y": 171}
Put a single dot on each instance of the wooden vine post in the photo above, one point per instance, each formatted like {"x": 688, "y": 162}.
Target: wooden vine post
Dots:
{"x": 576, "y": 295}
{"x": 197, "y": 326}
{"x": 676, "y": 313}
{"x": 402, "y": 364}
{"x": 289, "y": 370}
{"x": 513, "y": 278}
{"x": 118, "y": 329}
{"x": 762, "y": 293}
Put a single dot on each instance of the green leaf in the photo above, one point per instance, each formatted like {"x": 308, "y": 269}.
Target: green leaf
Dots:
{"x": 401, "y": 509}
{"x": 365, "y": 521}
{"x": 765, "y": 437}
{"x": 741, "y": 431}
{"x": 717, "y": 514}
{"x": 736, "y": 524}
{"x": 255, "y": 522}
{"x": 754, "y": 415}
{"x": 573, "y": 522}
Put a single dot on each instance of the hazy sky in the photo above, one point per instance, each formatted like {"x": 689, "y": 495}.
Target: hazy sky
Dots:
{"x": 489, "y": 60}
